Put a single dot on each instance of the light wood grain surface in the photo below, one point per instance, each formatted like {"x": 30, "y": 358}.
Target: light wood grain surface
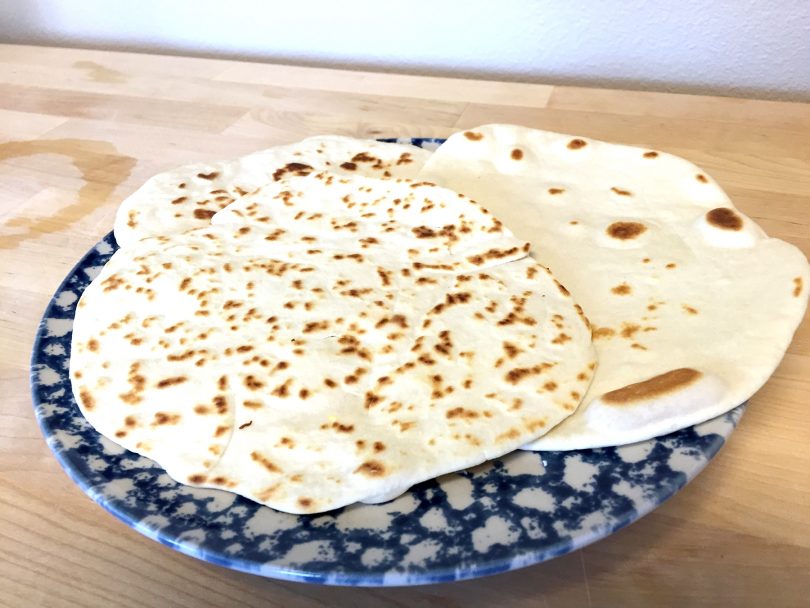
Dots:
{"x": 79, "y": 130}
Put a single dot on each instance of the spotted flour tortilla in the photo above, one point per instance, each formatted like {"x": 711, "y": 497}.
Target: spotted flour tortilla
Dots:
{"x": 188, "y": 196}
{"x": 329, "y": 340}
{"x": 693, "y": 306}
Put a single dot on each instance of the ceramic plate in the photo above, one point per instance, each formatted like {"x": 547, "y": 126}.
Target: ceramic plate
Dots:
{"x": 508, "y": 513}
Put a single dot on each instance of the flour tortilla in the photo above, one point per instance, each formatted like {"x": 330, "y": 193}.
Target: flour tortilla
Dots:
{"x": 693, "y": 306}
{"x": 188, "y": 196}
{"x": 329, "y": 340}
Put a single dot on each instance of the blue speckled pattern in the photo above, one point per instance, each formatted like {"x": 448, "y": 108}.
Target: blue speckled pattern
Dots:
{"x": 512, "y": 512}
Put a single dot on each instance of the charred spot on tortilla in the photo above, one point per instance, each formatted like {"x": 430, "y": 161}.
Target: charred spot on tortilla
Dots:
{"x": 621, "y": 191}
{"x": 517, "y": 154}
{"x": 663, "y": 384}
{"x": 702, "y": 178}
{"x": 724, "y": 218}
{"x": 209, "y": 176}
{"x": 577, "y": 143}
{"x": 625, "y": 230}
{"x": 650, "y": 154}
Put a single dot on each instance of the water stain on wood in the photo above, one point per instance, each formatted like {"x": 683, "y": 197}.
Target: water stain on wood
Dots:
{"x": 100, "y": 73}
{"x": 102, "y": 169}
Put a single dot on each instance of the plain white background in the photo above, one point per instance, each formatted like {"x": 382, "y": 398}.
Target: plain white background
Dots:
{"x": 755, "y": 48}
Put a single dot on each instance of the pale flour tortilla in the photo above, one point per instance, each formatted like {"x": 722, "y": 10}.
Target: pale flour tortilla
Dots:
{"x": 329, "y": 340}
{"x": 187, "y": 197}
{"x": 693, "y": 306}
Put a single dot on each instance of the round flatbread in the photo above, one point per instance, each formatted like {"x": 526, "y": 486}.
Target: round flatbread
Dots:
{"x": 188, "y": 196}
{"x": 693, "y": 305}
{"x": 329, "y": 340}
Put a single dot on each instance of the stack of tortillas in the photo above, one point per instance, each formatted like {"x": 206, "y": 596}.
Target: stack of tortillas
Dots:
{"x": 325, "y": 322}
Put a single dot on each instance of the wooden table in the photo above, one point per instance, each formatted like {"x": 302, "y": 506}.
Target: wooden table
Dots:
{"x": 79, "y": 130}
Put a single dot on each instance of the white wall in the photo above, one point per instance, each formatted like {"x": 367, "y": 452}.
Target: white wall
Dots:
{"x": 735, "y": 47}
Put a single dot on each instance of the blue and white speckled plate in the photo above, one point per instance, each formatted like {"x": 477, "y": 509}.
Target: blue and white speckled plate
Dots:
{"x": 512, "y": 512}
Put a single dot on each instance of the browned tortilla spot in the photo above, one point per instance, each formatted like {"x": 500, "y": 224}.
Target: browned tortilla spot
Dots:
{"x": 576, "y": 144}
{"x": 517, "y": 154}
{"x": 511, "y": 350}
{"x": 460, "y": 412}
{"x": 87, "y": 399}
{"x": 208, "y": 176}
{"x": 561, "y": 339}
{"x": 622, "y": 289}
{"x": 203, "y": 214}
{"x": 423, "y": 232}
{"x": 371, "y": 468}
{"x": 164, "y": 418}
{"x": 253, "y": 383}
{"x": 282, "y": 390}
{"x": 629, "y": 330}
{"x": 267, "y": 464}
{"x": 690, "y": 309}
{"x": 556, "y": 190}
{"x": 197, "y": 478}
{"x": 294, "y": 168}
{"x": 650, "y": 154}
{"x": 621, "y": 192}
{"x": 702, "y": 178}
{"x": 473, "y": 136}
{"x": 512, "y": 433}
{"x": 625, "y": 230}
{"x": 724, "y": 218}
{"x": 305, "y": 502}
{"x": 517, "y": 374}
{"x": 221, "y": 403}
{"x": 171, "y": 381}
{"x": 797, "y": 287}
{"x": 662, "y": 384}
{"x": 603, "y": 332}
{"x": 92, "y": 345}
